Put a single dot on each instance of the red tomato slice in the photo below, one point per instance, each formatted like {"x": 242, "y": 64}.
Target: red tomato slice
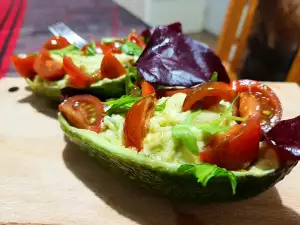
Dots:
{"x": 83, "y": 111}
{"x": 111, "y": 67}
{"x": 249, "y": 105}
{"x": 137, "y": 122}
{"x": 56, "y": 43}
{"x": 270, "y": 106}
{"x": 237, "y": 148}
{"x": 207, "y": 95}
{"x": 48, "y": 68}
{"x": 24, "y": 65}
{"x": 147, "y": 89}
{"x": 136, "y": 39}
{"x": 114, "y": 47}
{"x": 77, "y": 77}
{"x": 171, "y": 92}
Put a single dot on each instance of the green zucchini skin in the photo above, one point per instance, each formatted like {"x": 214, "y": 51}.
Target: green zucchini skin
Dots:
{"x": 113, "y": 89}
{"x": 49, "y": 92}
{"x": 166, "y": 181}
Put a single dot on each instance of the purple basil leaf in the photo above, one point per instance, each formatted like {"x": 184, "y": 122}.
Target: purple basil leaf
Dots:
{"x": 172, "y": 59}
{"x": 285, "y": 135}
{"x": 149, "y": 31}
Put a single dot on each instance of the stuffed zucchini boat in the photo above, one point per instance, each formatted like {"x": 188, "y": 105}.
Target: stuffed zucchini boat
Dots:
{"x": 183, "y": 130}
{"x": 217, "y": 143}
{"x": 98, "y": 67}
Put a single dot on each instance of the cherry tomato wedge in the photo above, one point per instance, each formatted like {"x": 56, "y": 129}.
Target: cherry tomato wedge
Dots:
{"x": 236, "y": 148}
{"x": 56, "y": 43}
{"x": 208, "y": 94}
{"x": 147, "y": 89}
{"x": 136, "y": 39}
{"x": 24, "y": 65}
{"x": 114, "y": 47}
{"x": 48, "y": 68}
{"x": 249, "y": 105}
{"x": 77, "y": 77}
{"x": 111, "y": 67}
{"x": 83, "y": 111}
{"x": 137, "y": 122}
{"x": 270, "y": 106}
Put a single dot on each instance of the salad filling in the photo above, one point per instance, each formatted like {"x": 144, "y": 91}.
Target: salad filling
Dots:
{"x": 182, "y": 109}
{"x": 60, "y": 64}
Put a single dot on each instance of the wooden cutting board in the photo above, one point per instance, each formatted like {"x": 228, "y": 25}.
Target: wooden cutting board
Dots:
{"x": 45, "y": 180}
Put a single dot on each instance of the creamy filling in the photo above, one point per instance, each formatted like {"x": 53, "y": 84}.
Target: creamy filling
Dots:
{"x": 159, "y": 143}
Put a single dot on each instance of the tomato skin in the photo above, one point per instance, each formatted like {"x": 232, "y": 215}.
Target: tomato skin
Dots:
{"x": 48, "y": 68}
{"x": 248, "y": 106}
{"x": 136, "y": 39}
{"x": 56, "y": 43}
{"x": 236, "y": 148}
{"x": 137, "y": 122}
{"x": 24, "y": 65}
{"x": 114, "y": 48}
{"x": 208, "y": 94}
{"x": 147, "y": 89}
{"x": 83, "y": 111}
{"x": 269, "y": 102}
{"x": 77, "y": 77}
{"x": 111, "y": 67}
{"x": 228, "y": 149}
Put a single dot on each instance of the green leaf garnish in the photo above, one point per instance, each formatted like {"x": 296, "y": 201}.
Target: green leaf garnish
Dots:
{"x": 107, "y": 40}
{"x": 122, "y": 104}
{"x": 205, "y": 171}
{"x": 214, "y": 77}
{"x": 216, "y": 125}
{"x": 186, "y": 168}
{"x": 132, "y": 76}
{"x": 91, "y": 49}
{"x": 187, "y": 137}
{"x": 213, "y": 128}
{"x": 161, "y": 107}
{"x": 130, "y": 48}
{"x": 191, "y": 117}
{"x": 71, "y": 49}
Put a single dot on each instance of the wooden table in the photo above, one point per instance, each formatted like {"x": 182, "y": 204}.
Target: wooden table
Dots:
{"x": 45, "y": 180}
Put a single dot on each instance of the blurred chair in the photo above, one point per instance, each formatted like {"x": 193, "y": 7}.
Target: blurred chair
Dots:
{"x": 232, "y": 41}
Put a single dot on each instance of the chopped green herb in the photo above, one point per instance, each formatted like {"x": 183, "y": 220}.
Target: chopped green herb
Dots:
{"x": 109, "y": 40}
{"x": 205, "y": 171}
{"x": 187, "y": 137}
{"x": 122, "y": 104}
{"x": 191, "y": 117}
{"x": 130, "y": 88}
{"x": 132, "y": 76}
{"x": 214, "y": 77}
{"x": 130, "y": 48}
{"x": 161, "y": 107}
{"x": 91, "y": 49}
{"x": 71, "y": 49}
{"x": 216, "y": 125}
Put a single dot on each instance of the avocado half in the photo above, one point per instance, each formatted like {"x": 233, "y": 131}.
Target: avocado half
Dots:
{"x": 104, "y": 89}
{"x": 162, "y": 177}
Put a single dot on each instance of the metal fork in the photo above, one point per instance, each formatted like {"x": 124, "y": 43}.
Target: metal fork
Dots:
{"x": 61, "y": 29}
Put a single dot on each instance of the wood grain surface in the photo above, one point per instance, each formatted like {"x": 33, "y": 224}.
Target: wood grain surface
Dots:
{"x": 45, "y": 180}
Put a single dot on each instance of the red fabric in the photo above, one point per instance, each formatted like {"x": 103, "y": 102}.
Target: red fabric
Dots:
{"x": 10, "y": 31}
